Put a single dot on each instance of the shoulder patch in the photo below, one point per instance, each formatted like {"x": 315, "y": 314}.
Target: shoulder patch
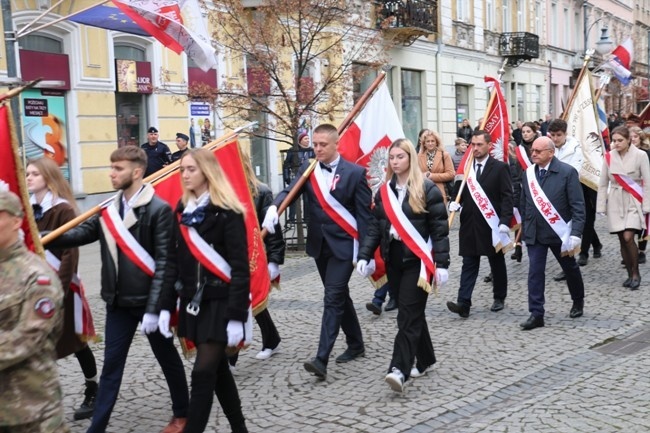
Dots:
{"x": 44, "y": 307}
{"x": 43, "y": 280}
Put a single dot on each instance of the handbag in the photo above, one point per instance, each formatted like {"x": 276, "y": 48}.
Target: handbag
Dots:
{"x": 449, "y": 186}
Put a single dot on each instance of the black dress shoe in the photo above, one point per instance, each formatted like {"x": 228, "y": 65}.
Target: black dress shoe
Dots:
{"x": 532, "y": 323}
{"x": 350, "y": 355}
{"x": 627, "y": 282}
{"x": 316, "y": 367}
{"x": 488, "y": 279}
{"x": 560, "y": 277}
{"x": 597, "y": 253}
{"x": 576, "y": 311}
{"x": 391, "y": 305}
{"x": 497, "y": 305}
{"x": 582, "y": 260}
{"x": 461, "y": 310}
{"x": 517, "y": 254}
{"x": 374, "y": 308}
{"x": 635, "y": 283}
{"x": 642, "y": 258}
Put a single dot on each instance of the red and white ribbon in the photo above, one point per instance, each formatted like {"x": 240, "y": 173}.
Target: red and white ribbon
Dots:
{"x": 126, "y": 242}
{"x": 626, "y": 182}
{"x": 522, "y": 157}
{"x": 205, "y": 254}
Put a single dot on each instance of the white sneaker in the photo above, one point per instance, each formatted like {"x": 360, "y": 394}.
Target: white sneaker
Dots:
{"x": 417, "y": 373}
{"x": 395, "y": 379}
{"x": 265, "y": 353}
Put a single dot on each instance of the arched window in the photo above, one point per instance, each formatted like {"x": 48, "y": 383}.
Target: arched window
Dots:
{"x": 130, "y": 52}
{"x": 44, "y": 44}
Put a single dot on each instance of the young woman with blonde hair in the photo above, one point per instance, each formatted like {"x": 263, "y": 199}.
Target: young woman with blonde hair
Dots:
{"x": 411, "y": 221}
{"x": 434, "y": 163}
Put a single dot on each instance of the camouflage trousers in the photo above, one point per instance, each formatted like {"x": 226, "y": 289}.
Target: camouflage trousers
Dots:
{"x": 53, "y": 424}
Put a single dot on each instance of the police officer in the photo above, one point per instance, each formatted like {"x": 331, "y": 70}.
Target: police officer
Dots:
{"x": 181, "y": 143}
{"x": 31, "y": 313}
{"x": 158, "y": 153}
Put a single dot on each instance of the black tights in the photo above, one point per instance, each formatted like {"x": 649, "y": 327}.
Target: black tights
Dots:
{"x": 211, "y": 375}
{"x": 630, "y": 252}
{"x": 87, "y": 362}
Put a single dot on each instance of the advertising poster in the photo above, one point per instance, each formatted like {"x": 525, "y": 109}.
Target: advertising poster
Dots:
{"x": 44, "y": 126}
{"x": 202, "y": 129}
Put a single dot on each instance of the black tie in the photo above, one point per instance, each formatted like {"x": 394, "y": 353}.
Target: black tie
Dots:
{"x": 478, "y": 170}
{"x": 542, "y": 174}
{"x": 325, "y": 167}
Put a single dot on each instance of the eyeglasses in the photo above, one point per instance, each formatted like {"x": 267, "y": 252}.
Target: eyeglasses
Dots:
{"x": 538, "y": 150}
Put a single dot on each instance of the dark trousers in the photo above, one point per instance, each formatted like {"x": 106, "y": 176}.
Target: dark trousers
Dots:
{"x": 338, "y": 309}
{"x": 469, "y": 273}
{"x": 380, "y": 294}
{"x": 536, "y": 276}
{"x": 270, "y": 335}
{"x": 412, "y": 339}
{"x": 589, "y": 235}
{"x": 121, "y": 325}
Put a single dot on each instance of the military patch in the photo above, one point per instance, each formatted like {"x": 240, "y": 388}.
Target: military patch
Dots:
{"x": 43, "y": 280}
{"x": 44, "y": 307}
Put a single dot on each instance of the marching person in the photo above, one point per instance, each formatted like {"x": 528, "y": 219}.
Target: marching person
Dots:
{"x": 134, "y": 231}
{"x": 158, "y": 153}
{"x": 181, "y": 143}
{"x": 487, "y": 205}
{"x": 411, "y": 222}
{"x": 436, "y": 164}
{"x": 339, "y": 215}
{"x": 54, "y": 205}
{"x": 640, "y": 139}
{"x": 212, "y": 270}
{"x": 31, "y": 307}
{"x": 553, "y": 215}
{"x": 624, "y": 195}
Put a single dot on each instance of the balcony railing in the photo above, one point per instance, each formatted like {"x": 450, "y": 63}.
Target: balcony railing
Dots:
{"x": 408, "y": 19}
{"x": 522, "y": 45}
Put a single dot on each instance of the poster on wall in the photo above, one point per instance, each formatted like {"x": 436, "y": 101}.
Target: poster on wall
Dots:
{"x": 201, "y": 128}
{"x": 44, "y": 126}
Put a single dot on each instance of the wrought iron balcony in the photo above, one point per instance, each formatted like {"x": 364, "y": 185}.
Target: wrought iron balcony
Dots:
{"x": 519, "y": 46}
{"x": 405, "y": 21}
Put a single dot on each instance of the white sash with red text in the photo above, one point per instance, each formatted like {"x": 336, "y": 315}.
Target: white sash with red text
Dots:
{"x": 522, "y": 157}
{"x": 83, "y": 318}
{"x": 410, "y": 236}
{"x": 335, "y": 210}
{"x": 561, "y": 228}
{"x": 125, "y": 240}
{"x": 500, "y": 241}
{"x": 626, "y": 182}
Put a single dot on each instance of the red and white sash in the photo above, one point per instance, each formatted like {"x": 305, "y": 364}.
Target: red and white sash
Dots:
{"x": 561, "y": 228}
{"x": 205, "y": 254}
{"x": 125, "y": 240}
{"x": 335, "y": 210}
{"x": 83, "y": 318}
{"x": 500, "y": 241}
{"x": 626, "y": 182}
{"x": 410, "y": 236}
{"x": 522, "y": 157}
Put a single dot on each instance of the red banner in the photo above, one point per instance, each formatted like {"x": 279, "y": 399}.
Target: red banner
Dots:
{"x": 496, "y": 122}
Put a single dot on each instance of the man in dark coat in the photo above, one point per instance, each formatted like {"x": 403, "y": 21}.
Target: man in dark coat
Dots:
{"x": 559, "y": 182}
{"x": 158, "y": 153}
{"x": 475, "y": 234}
{"x": 181, "y": 143}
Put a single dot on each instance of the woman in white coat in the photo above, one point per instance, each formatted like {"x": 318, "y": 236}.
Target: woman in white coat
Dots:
{"x": 626, "y": 171}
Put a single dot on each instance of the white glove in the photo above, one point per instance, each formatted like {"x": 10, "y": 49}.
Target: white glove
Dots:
{"x": 454, "y": 206}
{"x": 149, "y": 323}
{"x": 442, "y": 275}
{"x": 362, "y": 267}
{"x": 504, "y": 228}
{"x": 574, "y": 242}
{"x": 235, "y": 331}
{"x": 271, "y": 219}
{"x": 163, "y": 323}
{"x": 371, "y": 268}
{"x": 274, "y": 270}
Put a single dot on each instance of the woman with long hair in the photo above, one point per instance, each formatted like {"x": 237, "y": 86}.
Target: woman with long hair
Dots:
{"x": 528, "y": 135}
{"x": 211, "y": 275}
{"x": 54, "y": 205}
{"x": 411, "y": 221}
{"x": 640, "y": 139}
{"x": 436, "y": 164}
{"x": 625, "y": 169}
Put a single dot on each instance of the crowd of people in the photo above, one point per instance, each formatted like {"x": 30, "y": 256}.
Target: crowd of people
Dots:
{"x": 155, "y": 257}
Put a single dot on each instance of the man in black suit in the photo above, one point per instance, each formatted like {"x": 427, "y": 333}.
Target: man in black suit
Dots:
{"x": 561, "y": 186}
{"x": 329, "y": 242}
{"x": 475, "y": 234}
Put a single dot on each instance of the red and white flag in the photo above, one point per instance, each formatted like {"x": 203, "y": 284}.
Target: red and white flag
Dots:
{"x": 621, "y": 61}
{"x": 177, "y": 24}
{"x": 496, "y": 121}
{"x": 377, "y": 126}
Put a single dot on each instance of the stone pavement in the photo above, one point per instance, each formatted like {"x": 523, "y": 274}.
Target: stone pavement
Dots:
{"x": 490, "y": 375}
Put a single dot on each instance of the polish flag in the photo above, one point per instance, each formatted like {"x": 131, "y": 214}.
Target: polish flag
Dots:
{"x": 621, "y": 62}
{"x": 376, "y": 126}
{"x": 177, "y": 24}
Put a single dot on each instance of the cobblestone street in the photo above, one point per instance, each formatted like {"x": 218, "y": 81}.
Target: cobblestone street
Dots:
{"x": 490, "y": 375}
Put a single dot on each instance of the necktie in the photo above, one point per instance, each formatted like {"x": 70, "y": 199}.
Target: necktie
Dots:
{"x": 38, "y": 211}
{"x": 325, "y": 167}
{"x": 478, "y": 170}
{"x": 542, "y": 174}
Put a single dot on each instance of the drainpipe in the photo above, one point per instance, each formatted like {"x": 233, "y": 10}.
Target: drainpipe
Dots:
{"x": 550, "y": 87}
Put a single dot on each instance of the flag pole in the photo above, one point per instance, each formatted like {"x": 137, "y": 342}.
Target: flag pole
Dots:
{"x": 18, "y": 90}
{"x": 154, "y": 179}
{"x": 24, "y": 32}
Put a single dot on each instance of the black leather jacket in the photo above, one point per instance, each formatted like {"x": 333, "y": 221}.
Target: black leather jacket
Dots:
{"x": 125, "y": 285}
{"x": 432, "y": 223}
{"x": 274, "y": 243}
{"x": 225, "y": 231}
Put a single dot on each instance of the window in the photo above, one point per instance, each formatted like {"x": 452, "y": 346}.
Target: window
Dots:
{"x": 521, "y": 101}
{"x": 128, "y": 52}
{"x": 411, "y": 104}
{"x": 462, "y": 10}
{"x": 554, "y": 25}
{"x": 538, "y": 18}
{"x": 462, "y": 103}
{"x": 362, "y": 78}
{"x": 41, "y": 43}
{"x": 538, "y": 102}
{"x": 130, "y": 107}
{"x": 489, "y": 15}
{"x": 565, "y": 19}
{"x": 506, "y": 18}
{"x": 521, "y": 16}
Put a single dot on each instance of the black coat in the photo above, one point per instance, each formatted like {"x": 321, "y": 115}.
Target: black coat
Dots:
{"x": 475, "y": 235}
{"x": 432, "y": 223}
{"x": 130, "y": 286}
{"x": 225, "y": 231}
{"x": 274, "y": 243}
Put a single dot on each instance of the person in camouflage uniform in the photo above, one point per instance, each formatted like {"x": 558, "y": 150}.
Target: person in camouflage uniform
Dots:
{"x": 31, "y": 316}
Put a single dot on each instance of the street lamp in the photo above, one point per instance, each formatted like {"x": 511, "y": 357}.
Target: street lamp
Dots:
{"x": 604, "y": 44}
